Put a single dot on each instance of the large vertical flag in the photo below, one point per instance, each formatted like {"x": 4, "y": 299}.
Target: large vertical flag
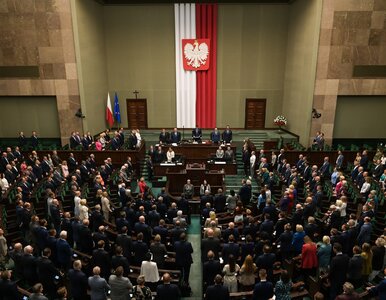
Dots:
{"x": 117, "y": 111}
{"x": 185, "y": 28}
{"x": 196, "y": 90}
{"x": 109, "y": 112}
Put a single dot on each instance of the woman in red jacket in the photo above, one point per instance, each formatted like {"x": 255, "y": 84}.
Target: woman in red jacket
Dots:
{"x": 309, "y": 257}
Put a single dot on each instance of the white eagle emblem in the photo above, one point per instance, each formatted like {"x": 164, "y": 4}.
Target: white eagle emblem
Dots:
{"x": 196, "y": 54}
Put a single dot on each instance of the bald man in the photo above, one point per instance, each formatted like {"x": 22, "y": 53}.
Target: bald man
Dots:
{"x": 210, "y": 244}
{"x": 167, "y": 290}
{"x": 98, "y": 285}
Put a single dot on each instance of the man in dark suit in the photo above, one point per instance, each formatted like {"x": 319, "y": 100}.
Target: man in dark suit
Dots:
{"x": 101, "y": 235}
{"x": 197, "y": 134}
{"x": 47, "y": 273}
{"x": 101, "y": 258}
{"x": 175, "y": 233}
{"x": 217, "y": 291}
{"x": 184, "y": 259}
{"x": 167, "y": 290}
{"x": 227, "y": 135}
{"x": 355, "y": 266}
{"x": 215, "y": 136}
{"x": 142, "y": 227}
{"x": 378, "y": 170}
{"x": 264, "y": 289}
{"x": 230, "y": 248}
{"x": 175, "y": 136}
{"x": 8, "y": 288}
{"x": 211, "y": 268}
{"x": 161, "y": 230}
{"x": 124, "y": 241}
{"x": 245, "y": 192}
{"x": 28, "y": 266}
{"x": 338, "y": 270}
{"x": 219, "y": 201}
{"x": 266, "y": 261}
{"x": 164, "y": 137}
{"x": 72, "y": 163}
{"x": 140, "y": 249}
{"x": 380, "y": 289}
{"x": 86, "y": 243}
{"x": 210, "y": 244}
{"x": 34, "y": 141}
{"x": 78, "y": 281}
{"x": 133, "y": 140}
{"x": 74, "y": 142}
{"x": 64, "y": 251}
{"x": 119, "y": 260}
{"x": 55, "y": 214}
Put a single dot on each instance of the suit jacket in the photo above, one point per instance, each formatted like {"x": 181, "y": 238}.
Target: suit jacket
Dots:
{"x": 159, "y": 251}
{"x": 120, "y": 287}
{"x": 338, "y": 269}
{"x": 140, "y": 249}
{"x": 86, "y": 243}
{"x": 227, "y": 136}
{"x": 164, "y": 138}
{"x": 78, "y": 284}
{"x": 263, "y": 290}
{"x": 175, "y": 137}
{"x": 266, "y": 261}
{"x": 197, "y": 133}
{"x": 28, "y": 266}
{"x": 46, "y": 272}
{"x": 184, "y": 252}
{"x": 228, "y": 249}
{"x": 210, "y": 244}
{"x": 210, "y": 269}
{"x": 364, "y": 235}
{"x": 355, "y": 266}
{"x": 8, "y": 290}
{"x": 118, "y": 260}
{"x": 101, "y": 258}
{"x": 219, "y": 202}
{"x": 98, "y": 287}
{"x": 64, "y": 252}
{"x": 217, "y": 291}
{"x": 168, "y": 292}
{"x": 126, "y": 243}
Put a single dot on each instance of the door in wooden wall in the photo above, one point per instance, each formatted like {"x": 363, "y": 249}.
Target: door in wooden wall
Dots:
{"x": 255, "y": 113}
{"x": 136, "y": 113}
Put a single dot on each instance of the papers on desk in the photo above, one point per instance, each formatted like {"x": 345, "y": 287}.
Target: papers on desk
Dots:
{"x": 179, "y": 164}
{"x": 156, "y": 145}
{"x": 220, "y": 162}
{"x": 174, "y": 144}
{"x": 166, "y": 164}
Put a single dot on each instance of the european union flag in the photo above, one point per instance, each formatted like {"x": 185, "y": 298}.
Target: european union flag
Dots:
{"x": 117, "y": 112}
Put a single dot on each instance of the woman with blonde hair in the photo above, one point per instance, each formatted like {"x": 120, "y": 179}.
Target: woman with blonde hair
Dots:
{"x": 106, "y": 208}
{"x": 247, "y": 273}
{"x": 212, "y": 217}
{"x": 83, "y": 210}
{"x": 367, "y": 255}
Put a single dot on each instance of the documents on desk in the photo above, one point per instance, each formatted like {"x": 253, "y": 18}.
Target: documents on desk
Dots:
{"x": 220, "y": 162}
{"x": 167, "y": 164}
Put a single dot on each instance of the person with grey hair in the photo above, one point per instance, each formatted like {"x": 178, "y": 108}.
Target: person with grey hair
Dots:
{"x": 180, "y": 218}
{"x": 37, "y": 292}
{"x": 140, "y": 291}
{"x": 63, "y": 251}
{"x": 217, "y": 291}
{"x": 348, "y": 292}
{"x": 98, "y": 285}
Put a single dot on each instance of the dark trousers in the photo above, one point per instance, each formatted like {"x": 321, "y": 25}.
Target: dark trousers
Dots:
{"x": 185, "y": 271}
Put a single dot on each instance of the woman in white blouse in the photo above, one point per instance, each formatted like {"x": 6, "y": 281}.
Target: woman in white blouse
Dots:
{"x": 83, "y": 210}
{"x": 220, "y": 152}
{"x": 170, "y": 155}
{"x": 150, "y": 270}
{"x": 341, "y": 205}
{"x": 3, "y": 184}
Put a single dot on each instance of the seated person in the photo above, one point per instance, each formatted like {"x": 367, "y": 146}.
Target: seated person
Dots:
{"x": 229, "y": 155}
{"x": 197, "y": 134}
{"x": 159, "y": 156}
{"x": 170, "y": 155}
{"x": 215, "y": 136}
{"x": 220, "y": 153}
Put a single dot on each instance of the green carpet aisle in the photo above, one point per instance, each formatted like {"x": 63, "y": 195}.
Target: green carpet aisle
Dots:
{"x": 194, "y": 236}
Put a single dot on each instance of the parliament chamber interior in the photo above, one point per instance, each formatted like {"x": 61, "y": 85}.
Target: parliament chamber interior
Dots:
{"x": 203, "y": 150}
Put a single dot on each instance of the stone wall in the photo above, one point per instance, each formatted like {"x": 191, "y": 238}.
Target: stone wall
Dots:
{"x": 353, "y": 32}
{"x": 40, "y": 33}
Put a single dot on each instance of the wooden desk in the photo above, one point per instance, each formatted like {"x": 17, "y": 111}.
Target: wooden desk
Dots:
{"x": 162, "y": 169}
{"x": 196, "y": 152}
{"x": 177, "y": 180}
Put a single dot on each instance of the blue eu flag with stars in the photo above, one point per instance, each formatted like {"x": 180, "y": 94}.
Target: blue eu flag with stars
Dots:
{"x": 117, "y": 112}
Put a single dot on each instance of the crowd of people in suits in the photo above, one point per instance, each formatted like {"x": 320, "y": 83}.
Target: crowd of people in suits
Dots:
{"x": 331, "y": 243}
{"x": 336, "y": 246}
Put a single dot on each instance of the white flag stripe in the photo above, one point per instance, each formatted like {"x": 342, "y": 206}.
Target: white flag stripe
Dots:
{"x": 185, "y": 27}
